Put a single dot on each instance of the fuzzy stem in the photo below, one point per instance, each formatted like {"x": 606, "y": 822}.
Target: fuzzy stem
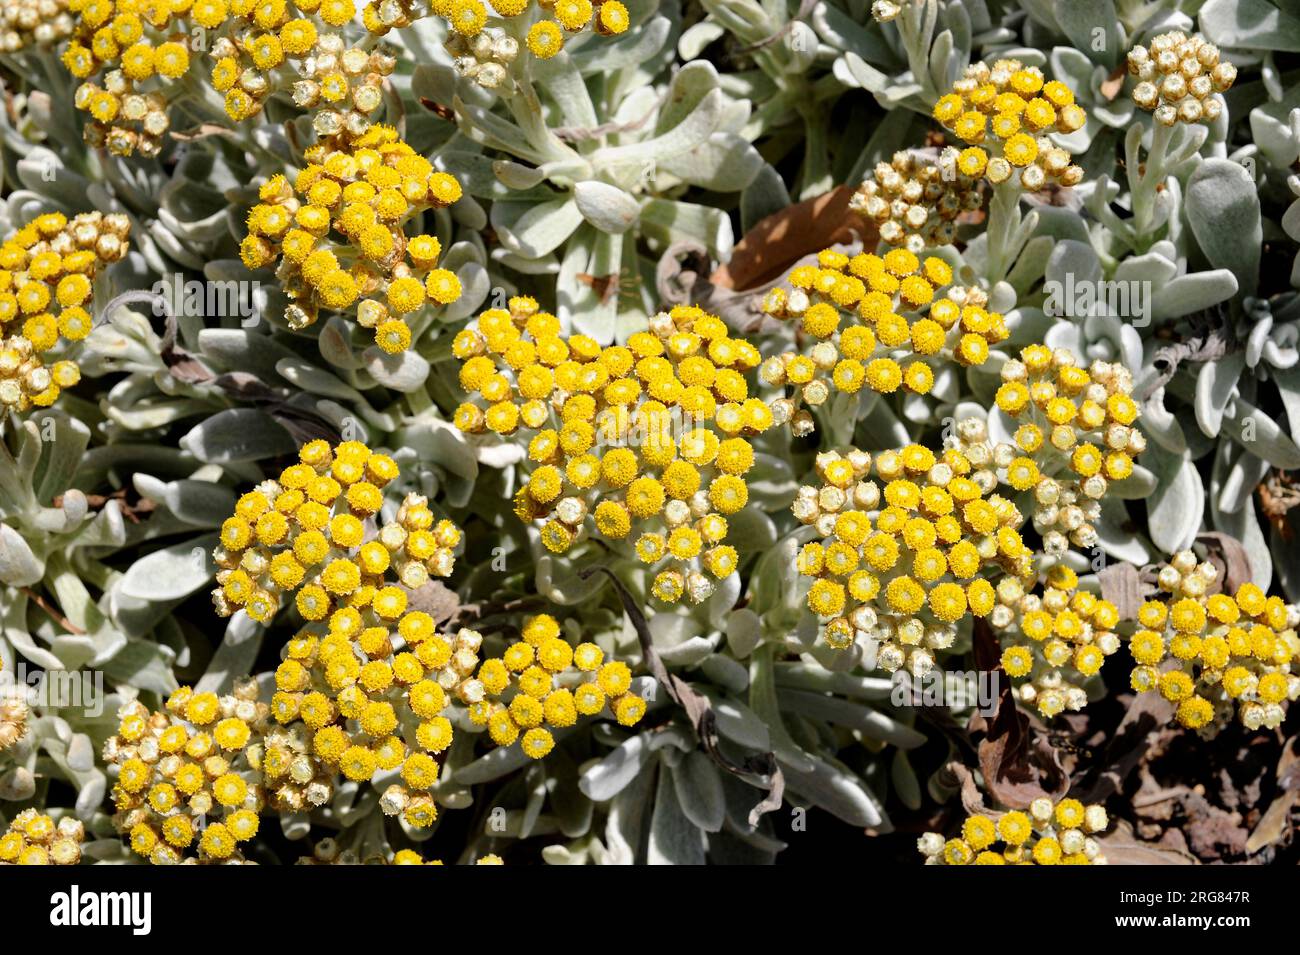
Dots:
{"x": 1004, "y": 216}
{"x": 1147, "y": 186}
{"x": 912, "y": 26}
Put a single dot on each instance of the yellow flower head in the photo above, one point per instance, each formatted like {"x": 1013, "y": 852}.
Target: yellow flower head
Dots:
{"x": 994, "y": 109}
{"x": 647, "y": 433}
{"x": 910, "y": 531}
{"x": 1215, "y": 655}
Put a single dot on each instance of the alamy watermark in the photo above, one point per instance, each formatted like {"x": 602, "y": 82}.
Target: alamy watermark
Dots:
{"x": 1124, "y": 298}
{"x": 647, "y": 428}
{"x": 954, "y": 689}
{"x": 77, "y": 908}
{"x": 208, "y": 299}
{"x": 55, "y": 689}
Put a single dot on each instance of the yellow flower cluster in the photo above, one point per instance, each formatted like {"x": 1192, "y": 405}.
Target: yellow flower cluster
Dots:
{"x": 899, "y": 567}
{"x": 1048, "y": 834}
{"x": 880, "y": 292}
{"x": 188, "y": 775}
{"x": 364, "y": 695}
{"x": 545, "y": 38}
{"x": 354, "y": 699}
{"x": 365, "y": 659}
{"x": 341, "y": 86}
{"x": 1058, "y": 639}
{"x": 47, "y": 279}
{"x": 35, "y": 839}
{"x": 136, "y": 51}
{"x": 1213, "y": 654}
{"x": 485, "y": 57}
{"x": 554, "y": 684}
{"x": 267, "y": 46}
{"x": 25, "y": 23}
{"x": 261, "y": 47}
{"x": 1177, "y": 78}
{"x": 913, "y": 203}
{"x": 1009, "y": 109}
{"x": 653, "y": 432}
{"x": 337, "y": 234}
{"x": 306, "y": 532}
{"x": 1076, "y": 433}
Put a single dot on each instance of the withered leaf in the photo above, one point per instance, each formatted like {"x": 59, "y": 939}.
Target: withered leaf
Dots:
{"x": 1121, "y": 847}
{"x": 605, "y": 286}
{"x": 1016, "y": 771}
{"x": 132, "y": 510}
{"x": 1209, "y": 341}
{"x": 1228, "y": 555}
{"x": 777, "y": 241}
{"x": 185, "y": 368}
{"x": 1276, "y": 821}
{"x": 972, "y": 800}
{"x": 244, "y": 385}
{"x": 1121, "y": 584}
{"x": 1112, "y": 84}
{"x": 181, "y": 365}
{"x": 203, "y": 131}
{"x": 442, "y": 112}
{"x": 436, "y": 599}
{"x": 1130, "y": 741}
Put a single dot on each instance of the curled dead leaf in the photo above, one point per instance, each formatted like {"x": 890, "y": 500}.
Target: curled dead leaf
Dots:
{"x": 436, "y": 599}
{"x": 1017, "y": 764}
{"x": 1121, "y": 584}
{"x": 1275, "y": 824}
{"x": 1146, "y": 715}
{"x": 776, "y": 242}
{"x": 1228, "y": 556}
{"x": 1122, "y": 847}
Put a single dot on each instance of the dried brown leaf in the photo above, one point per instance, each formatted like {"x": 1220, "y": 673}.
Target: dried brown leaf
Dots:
{"x": 776, "y": 242}
{"x": 1146, "y": 716}
{"x": 972, "y": 800}
{"x": 1228, "y": 556}
{"x": 1016, "y": 769}
{"x": 1121, "y": 847}
{"x": 1276, "y": 821}
{"x": 1121, "y": 584}
{"x": 1112, "y": 84}
{"x": 436, "y": 599}
{"x": 1274, "y": 824}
